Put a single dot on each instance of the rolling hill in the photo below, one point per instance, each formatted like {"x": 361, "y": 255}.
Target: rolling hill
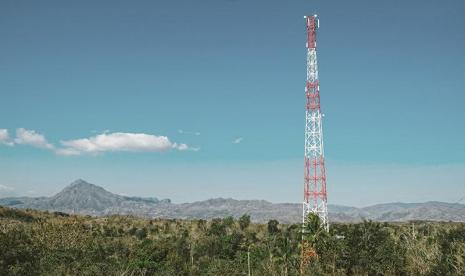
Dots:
{"x": 84, "y": 198}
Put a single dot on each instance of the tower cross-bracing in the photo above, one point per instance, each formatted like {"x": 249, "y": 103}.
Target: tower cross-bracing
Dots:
{"x": 315, "y": 197}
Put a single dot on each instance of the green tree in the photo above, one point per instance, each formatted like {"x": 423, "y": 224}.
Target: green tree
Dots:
{"x": 452, "y": 247}
{"x": 18, "y": 255}
{"x": 141, "y": 233}
{"x": 313, "y": 229}
{"x": 244, "y": 221}
{"x": 273, "y": 227}
{"x": 370, "y": 249}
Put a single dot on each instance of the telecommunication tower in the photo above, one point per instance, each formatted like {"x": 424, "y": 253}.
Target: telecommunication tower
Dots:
{"x": 315, "y": 197}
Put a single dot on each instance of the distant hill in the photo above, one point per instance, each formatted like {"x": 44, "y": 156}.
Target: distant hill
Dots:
{"x": 89, "y": 199}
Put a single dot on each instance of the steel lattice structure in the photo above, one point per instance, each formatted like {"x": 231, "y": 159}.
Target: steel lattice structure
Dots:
{"x": 315, "y": 197}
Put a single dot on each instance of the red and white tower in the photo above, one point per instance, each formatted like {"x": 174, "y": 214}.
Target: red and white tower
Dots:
{"x": 315, "y": 198}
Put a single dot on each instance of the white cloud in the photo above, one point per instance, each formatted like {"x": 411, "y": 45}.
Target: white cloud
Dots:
{"x": 68, "y": 152}
{"x": 180, "y": 146}
{"x": 237, "y": 140}
{"x": 4, "y": 188}
{"x": 104, "y": 142}
{"x": 30, "y": 137}
{"x": 183, "y": 147}
{"x": 5, "y": 137}
{"x": 196, "y": 133}
{"x": 120, "y": 141}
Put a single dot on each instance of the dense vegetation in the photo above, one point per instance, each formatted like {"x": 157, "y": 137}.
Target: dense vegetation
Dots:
{"x": 38, "y": 243}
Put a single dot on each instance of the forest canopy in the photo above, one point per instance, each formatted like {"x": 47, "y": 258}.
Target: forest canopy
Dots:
{"x": 43, "y": 243}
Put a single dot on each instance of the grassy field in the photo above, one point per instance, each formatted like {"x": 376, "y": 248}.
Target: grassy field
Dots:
{"x": 41, "y": 243}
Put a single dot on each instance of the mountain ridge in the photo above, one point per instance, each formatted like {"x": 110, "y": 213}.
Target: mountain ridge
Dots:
{"x": 81, "y": 197}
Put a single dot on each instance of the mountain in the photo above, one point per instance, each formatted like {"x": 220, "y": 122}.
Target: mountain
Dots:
{"x": 89, "y": 199}
{"x": 432, "y": 210}
{"x": 85, "y": 198}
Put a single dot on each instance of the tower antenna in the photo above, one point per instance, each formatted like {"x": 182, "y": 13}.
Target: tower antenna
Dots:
{"x": 315, "y": 196}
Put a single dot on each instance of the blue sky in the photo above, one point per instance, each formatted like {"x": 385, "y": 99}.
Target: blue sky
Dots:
{"x": 196, "y": 76}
